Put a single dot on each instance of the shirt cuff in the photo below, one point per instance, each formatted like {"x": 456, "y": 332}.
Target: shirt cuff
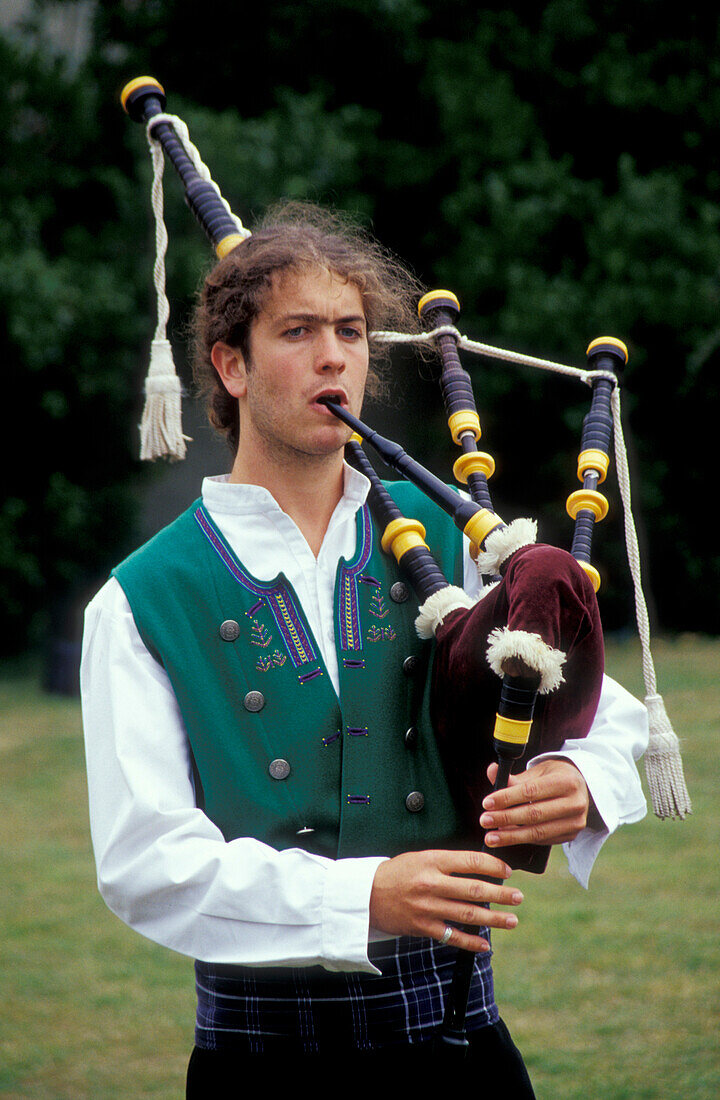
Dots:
{"x": 346, "y": 914}
{"x": 582, "y": 852}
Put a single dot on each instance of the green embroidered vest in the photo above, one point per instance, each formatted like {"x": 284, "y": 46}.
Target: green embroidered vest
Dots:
{"x": 276, "y": 755}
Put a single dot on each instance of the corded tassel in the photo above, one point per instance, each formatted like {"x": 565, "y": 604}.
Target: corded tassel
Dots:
{"x": 663, "y": 764}
{"x": 161, "y": 434}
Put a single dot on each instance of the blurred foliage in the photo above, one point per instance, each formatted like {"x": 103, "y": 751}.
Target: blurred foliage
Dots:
{"x": 556, "y": 167}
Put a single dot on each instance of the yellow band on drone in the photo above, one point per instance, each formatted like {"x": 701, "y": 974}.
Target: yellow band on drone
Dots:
{"x": 512, "y": 731}
{"x": 139, "y": 82}
{"x": 227, "y": 244}
{"x": 587, "y": 500}
{"x": 593, "y": 459}
{"x": 402, "y": 535}
{"x": 464, "y": 420}
{"x": 612, "y": 341}
{"x": 435, "y": 296}
{"x": 474, "y": 462}
{"x": 592, "y": 574}
{"x": 480, "y": 525}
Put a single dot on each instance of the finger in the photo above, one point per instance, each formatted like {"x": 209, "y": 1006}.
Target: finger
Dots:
{"x": 532, "y": 813}
{"x": 555, "y": 831}
{"x": 477, "y": 916}
{"x": 459, "y": 938}
{"x": 471, "y": 863}
{"x": 526, "y": 789}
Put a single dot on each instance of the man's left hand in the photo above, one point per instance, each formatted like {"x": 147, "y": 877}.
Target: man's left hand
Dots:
{"x": 547, "y": 804}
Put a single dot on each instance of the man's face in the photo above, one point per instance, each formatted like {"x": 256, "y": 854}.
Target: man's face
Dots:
{"x": 309, "y": 340}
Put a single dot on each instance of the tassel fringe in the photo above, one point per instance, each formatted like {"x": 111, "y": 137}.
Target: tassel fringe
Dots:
{"x": 663, "y": 765}
{"x": 499, "y": 545}
{"x": 161, "y": 434}
{"x": 532, "y": 650}
{"x": 432, "y": 613}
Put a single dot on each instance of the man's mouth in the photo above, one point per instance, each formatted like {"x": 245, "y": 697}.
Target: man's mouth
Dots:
{"x": 326, "y": 396}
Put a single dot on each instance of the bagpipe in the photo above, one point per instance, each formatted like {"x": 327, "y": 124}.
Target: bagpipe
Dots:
{"x": 517, "y": 672}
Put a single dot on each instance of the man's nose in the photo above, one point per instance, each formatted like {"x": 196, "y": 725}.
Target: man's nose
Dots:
{"x": 330, "y": 353}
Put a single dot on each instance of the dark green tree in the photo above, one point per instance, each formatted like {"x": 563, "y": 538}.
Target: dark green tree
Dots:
{"x": 555, "y": 167}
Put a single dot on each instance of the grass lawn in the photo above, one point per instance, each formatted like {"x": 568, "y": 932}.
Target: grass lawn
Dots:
{"x": 610, "y": 994}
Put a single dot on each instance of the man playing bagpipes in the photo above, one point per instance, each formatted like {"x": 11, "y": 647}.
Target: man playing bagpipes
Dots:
{"x": 266, "y": 792}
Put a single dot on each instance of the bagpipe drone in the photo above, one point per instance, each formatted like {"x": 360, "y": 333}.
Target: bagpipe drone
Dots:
{"x": 518, "y": 672}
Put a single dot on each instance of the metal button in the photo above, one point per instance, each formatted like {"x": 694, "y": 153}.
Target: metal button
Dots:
{"x": 399, "y": 592}
{"x": 229, "y": 630}
{"x": 415, "y": 801}
{"x": 279, "y": 769}
{"x": 254, "y": 701}
{"x": 410, "y": 665}
{"x": 411, "y": 737}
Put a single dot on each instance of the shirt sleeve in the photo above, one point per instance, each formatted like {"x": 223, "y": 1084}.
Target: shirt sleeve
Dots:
{"x": 606, "y": 758}
{"x": 163, "y": 867}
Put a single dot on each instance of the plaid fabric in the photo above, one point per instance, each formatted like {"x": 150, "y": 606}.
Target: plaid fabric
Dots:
{"x": 312, "y": 1010}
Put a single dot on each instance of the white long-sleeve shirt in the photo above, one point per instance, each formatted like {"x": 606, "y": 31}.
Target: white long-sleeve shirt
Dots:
{"x": 166, "y": 869}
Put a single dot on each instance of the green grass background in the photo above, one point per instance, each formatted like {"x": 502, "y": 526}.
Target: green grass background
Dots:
{"x": 610, "y": 994}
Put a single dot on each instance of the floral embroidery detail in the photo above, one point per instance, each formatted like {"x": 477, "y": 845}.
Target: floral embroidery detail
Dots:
{"x": 260, "y": 635}
{"x": 275, "y": 660}
{"x": 381, "y": 634}
{"x": 377, "y": 606}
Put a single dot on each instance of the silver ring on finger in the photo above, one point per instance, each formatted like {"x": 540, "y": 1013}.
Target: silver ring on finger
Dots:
{"x": 445, "y": 938}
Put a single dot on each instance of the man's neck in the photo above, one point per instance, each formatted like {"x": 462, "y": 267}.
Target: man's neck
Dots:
{"x": 307, "y": 488}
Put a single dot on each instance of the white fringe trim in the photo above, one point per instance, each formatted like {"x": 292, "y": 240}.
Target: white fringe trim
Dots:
{"x": 663, "y": 764}
{"x": 500, "y": 544}
{"x": 531, "y": 649}
{"x": 432, "y": 613}
{"x": 161, "y": 434}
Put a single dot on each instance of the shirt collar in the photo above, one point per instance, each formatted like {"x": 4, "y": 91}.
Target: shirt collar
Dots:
{"x": 220, "y": 495}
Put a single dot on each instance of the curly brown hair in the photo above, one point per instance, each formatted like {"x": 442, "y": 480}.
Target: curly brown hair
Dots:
{"x": 294, "y": 237}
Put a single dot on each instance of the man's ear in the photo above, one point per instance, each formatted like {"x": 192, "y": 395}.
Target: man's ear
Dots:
{"x": 230, "y": 365}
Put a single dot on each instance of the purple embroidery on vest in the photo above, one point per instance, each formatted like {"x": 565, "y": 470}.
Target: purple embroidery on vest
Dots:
{"x": 276, "y": 660}
{"x": 358, "y": 800}
{"x": 349, "y": 630}
{"x": 377, "y": 606}
{"x": 278, "y": 597}
{"x": 251, "y": 610}
{"x": 349, "y": 662}
{"x": 365, "y": 578}
{"x": 260, "y": 635}
{"x": 358, "y": 731}
{"x": 332, "y": 737}
{"x": 303, "y": 679}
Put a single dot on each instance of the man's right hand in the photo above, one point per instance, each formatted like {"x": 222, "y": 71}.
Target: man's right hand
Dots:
{"x": 420, "y": 894}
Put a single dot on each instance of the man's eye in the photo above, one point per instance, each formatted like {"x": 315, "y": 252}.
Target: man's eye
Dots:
{"x": 350, "y": 333}
{"x": 298, "y": 330}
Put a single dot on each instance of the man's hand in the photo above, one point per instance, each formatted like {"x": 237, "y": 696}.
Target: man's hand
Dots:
{"x": 419, "y": 894}
{"x": 547, "y": 804}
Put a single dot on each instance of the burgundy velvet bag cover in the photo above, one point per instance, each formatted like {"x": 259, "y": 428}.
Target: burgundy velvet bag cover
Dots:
{"x": 543, "y": 591}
